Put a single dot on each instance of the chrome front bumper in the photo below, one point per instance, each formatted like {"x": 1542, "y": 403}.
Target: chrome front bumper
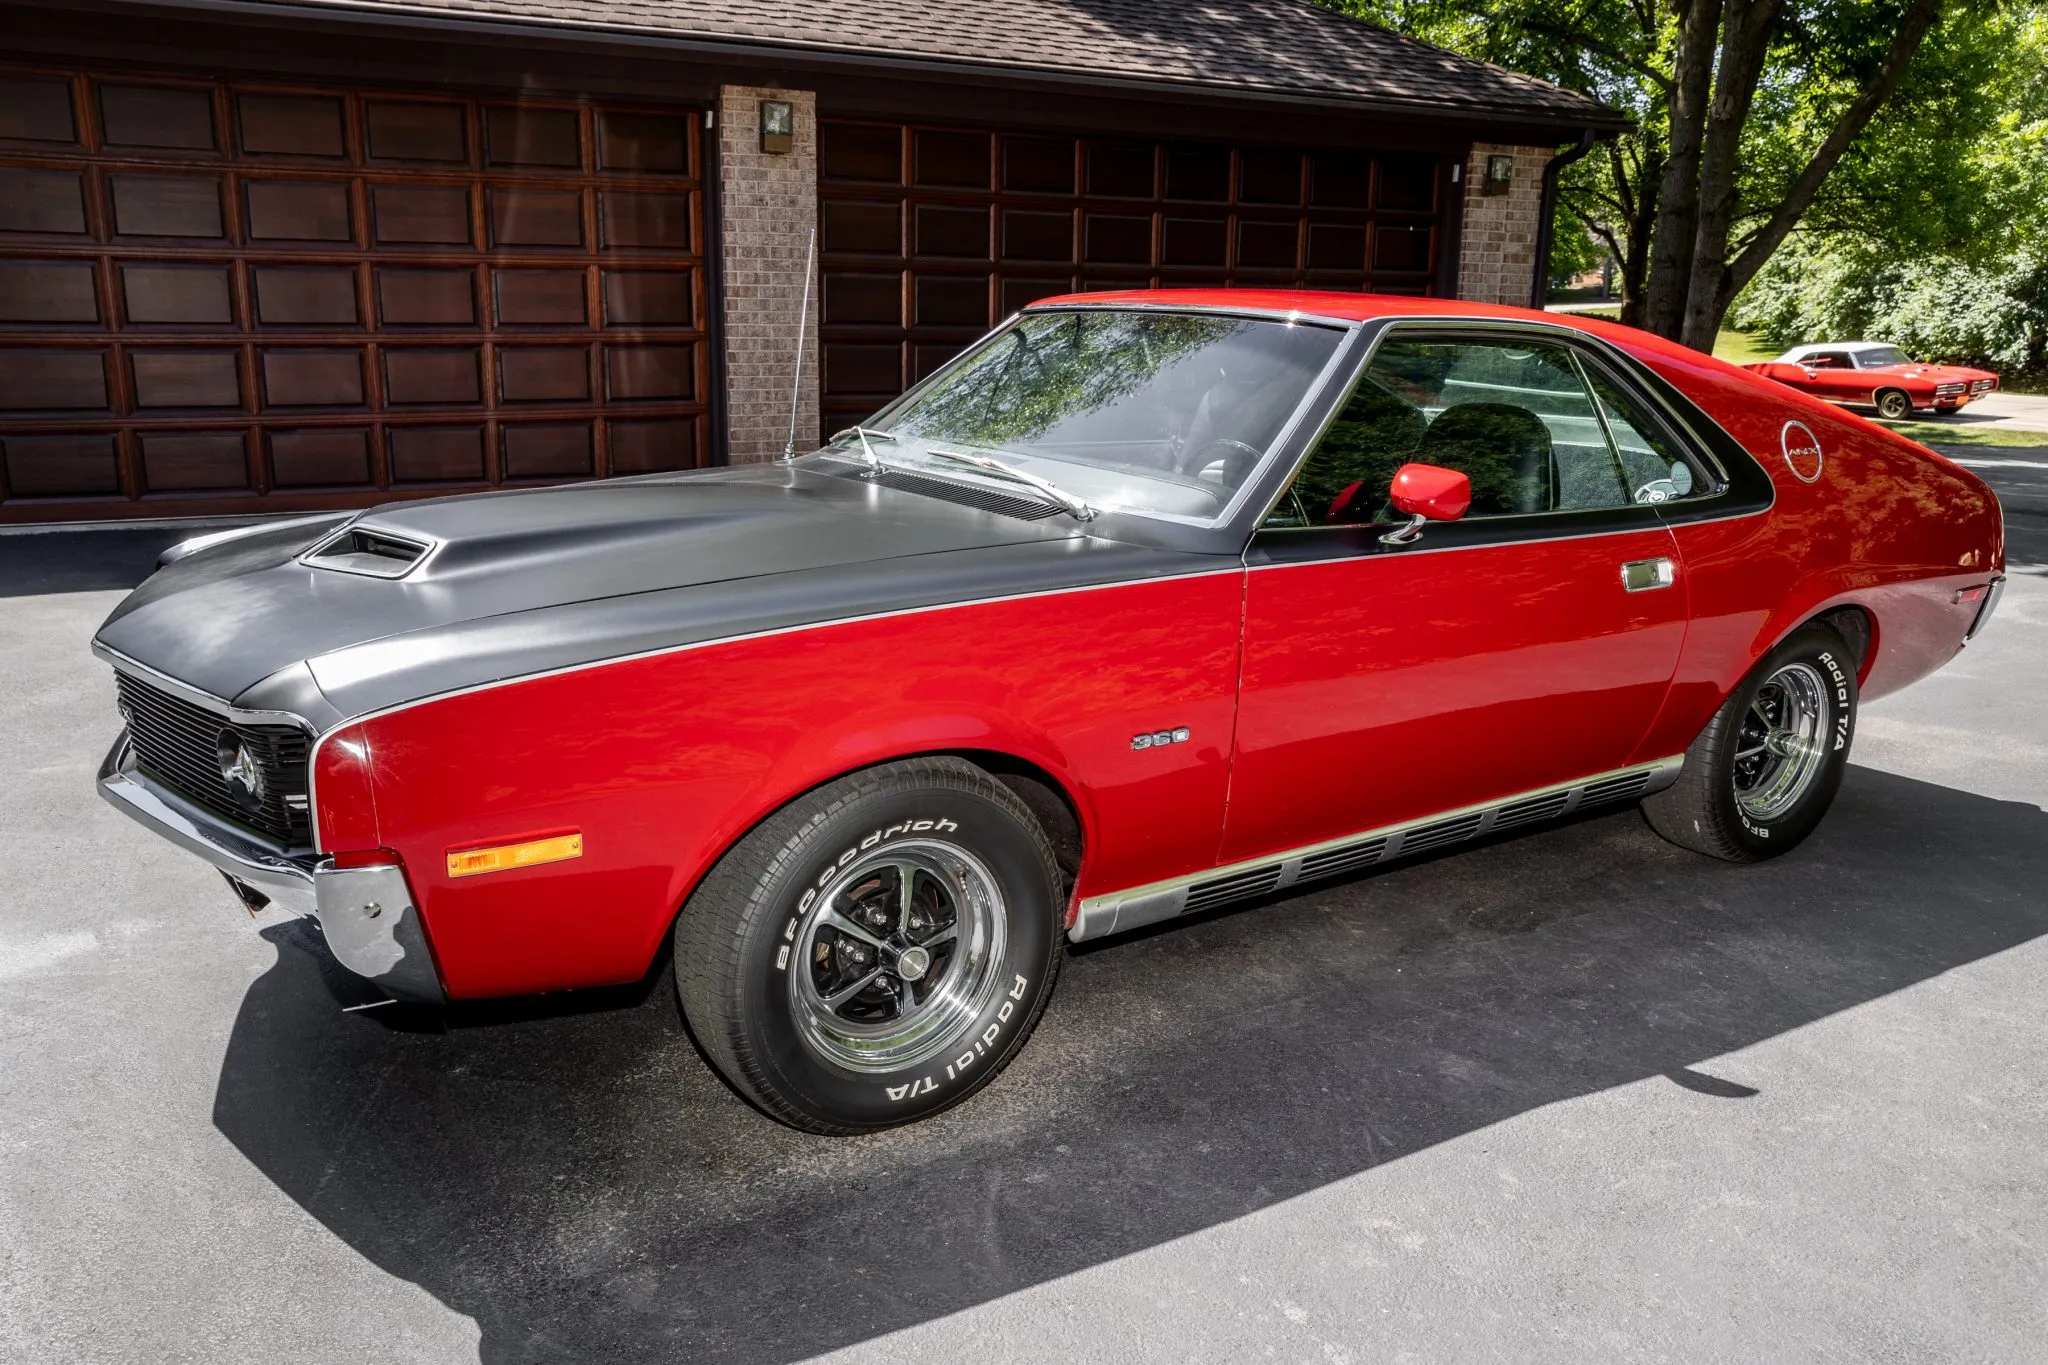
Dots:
{"x": 366, "y": 914}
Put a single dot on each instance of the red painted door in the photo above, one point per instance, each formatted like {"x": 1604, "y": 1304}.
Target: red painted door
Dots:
{"x": 1835, "y": 378}
{"x": 1495, "y": 655}
{"x": 1382, "y": 687}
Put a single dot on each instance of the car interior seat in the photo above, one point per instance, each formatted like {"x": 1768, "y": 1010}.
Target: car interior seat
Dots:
{"x": 1504, "y": 449}
{"x": 1375, "y": 435}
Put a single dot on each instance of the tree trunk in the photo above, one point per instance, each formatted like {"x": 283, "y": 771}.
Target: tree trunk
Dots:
{"x": 1642, "y": 223}
{"x": 1745, "y": 43}
{"x": 1912, "y": 31}
{"x": 1670, "y": 273}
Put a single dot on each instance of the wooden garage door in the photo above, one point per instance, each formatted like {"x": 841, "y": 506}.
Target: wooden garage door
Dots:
{"x": 929, "y": 235}
{"x": 236, "y": 298}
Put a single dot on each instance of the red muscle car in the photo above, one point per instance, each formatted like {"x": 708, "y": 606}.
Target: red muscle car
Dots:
{"x": 1146, "y": 604}
{"x": 1871, "y": 374}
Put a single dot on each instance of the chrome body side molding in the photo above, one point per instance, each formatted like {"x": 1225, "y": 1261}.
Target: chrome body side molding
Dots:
{"x": 366, "y": 914}
{"x": 1141, "y": 905}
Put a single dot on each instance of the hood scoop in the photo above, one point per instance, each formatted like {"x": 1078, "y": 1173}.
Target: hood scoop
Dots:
{"x": 374, "y": 554}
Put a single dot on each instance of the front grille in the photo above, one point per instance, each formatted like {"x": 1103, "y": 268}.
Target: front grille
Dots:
{"x": 1983, "y": 386}
{"x": 178, "y": 743}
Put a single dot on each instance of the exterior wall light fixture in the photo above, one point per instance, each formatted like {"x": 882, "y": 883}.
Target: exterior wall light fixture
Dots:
{"x": 1500, "y": 173}
{"x": 778, "y": 126}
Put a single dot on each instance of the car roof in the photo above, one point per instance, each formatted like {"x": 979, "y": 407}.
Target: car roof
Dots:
{"x": 1853, "y": 347}
{"x": 1328, "y": 305}
{"x": 1307, "y": 303}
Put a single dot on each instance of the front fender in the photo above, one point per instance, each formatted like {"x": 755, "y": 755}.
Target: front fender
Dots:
{"x": 662, "y": 762}
{"x": 884, "y": 734}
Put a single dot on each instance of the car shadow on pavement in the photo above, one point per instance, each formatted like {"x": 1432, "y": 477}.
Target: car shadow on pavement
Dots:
{"x": 582, "y": 1185}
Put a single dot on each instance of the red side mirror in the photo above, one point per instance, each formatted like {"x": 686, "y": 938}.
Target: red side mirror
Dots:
{"x": 1427, "y": 493}
{"x": 1431, "y": 492}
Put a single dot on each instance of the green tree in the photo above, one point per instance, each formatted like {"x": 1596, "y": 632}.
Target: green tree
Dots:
{"x": 1749, "y": 116}
{"x": 1935, "y": 242}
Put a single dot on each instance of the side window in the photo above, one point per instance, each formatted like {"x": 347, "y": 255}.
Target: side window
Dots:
{"x": 1513, "y": 416}
{"x": 1655, "y": 467}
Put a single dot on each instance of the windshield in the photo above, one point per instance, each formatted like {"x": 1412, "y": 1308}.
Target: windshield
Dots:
{"x": 1880, "y": 356}
{"x": 1163, "y": 414}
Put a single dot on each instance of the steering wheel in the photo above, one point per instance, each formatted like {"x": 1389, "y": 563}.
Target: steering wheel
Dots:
{"x": 1237, "y": 457}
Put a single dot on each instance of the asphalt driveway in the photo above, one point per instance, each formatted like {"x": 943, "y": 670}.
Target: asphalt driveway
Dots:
{"x": 1578, "y": 1095}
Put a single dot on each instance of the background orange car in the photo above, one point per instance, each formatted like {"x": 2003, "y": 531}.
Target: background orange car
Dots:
{"x": 1873, "y": 374}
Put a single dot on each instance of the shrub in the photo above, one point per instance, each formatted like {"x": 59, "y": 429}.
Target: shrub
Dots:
{"x": 1935, "y": 309}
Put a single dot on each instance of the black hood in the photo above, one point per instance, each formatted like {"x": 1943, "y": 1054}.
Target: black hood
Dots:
{"x": 532, "y": 570}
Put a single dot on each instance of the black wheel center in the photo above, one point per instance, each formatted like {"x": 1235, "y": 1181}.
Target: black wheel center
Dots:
{"x": 891, "y": 947}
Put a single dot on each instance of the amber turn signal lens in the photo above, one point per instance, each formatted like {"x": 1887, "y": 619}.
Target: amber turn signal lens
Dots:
{"x": 503, "y": 858}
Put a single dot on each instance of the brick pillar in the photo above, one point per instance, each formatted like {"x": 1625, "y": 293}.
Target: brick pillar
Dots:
{"x": 768, "y": 206}
{"x": 1497, "y": 252}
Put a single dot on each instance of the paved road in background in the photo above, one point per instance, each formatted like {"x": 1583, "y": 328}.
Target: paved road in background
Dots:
{"x": 1575, "y": 1096}
{"x": 2015, "y": 411}
{"x": 2021, "y": 477}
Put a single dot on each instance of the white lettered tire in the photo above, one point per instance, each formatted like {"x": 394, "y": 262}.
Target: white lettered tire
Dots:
{"x": 877, "y": 950}
{"x": 1765, "y": 770}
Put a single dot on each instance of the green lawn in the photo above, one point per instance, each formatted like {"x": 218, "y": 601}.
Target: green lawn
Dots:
{"x": 1737, "y": 348}
{"x": 1962, "y": 434}
{"x": 1742, "y": 348}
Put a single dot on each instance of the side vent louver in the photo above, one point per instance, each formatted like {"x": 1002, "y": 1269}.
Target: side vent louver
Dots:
{"x": 1441, "y": 833}
{"x": 1530, "y": 811}
{"x": 1242, "y": 887}
{"x": 375, "y": 553}
{"x": 1339, "y": 861}
{"x": 1227, "y": 886}
{"x": 1626, "y": 788}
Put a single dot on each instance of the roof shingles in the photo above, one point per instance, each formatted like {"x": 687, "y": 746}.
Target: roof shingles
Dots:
{"x": 1280, "y": 47}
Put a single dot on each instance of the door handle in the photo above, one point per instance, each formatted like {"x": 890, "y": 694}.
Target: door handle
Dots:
{"x": 1642, "y": 575}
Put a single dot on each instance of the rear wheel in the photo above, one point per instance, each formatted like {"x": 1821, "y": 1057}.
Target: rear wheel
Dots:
{"x": 877, "y": 950}
{"x": 1760, "y": 777}
{"x": 1894, "y": 404}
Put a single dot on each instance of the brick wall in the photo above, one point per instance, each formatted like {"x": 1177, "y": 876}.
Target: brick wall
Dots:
{"x": 768, "y": 205}
{"x": 1497, "y": 252}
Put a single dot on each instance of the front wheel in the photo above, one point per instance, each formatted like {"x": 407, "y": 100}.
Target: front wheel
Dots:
{"x": 1765, "y": 770}
{"x": 1894, "y": 405}
{"x": 877, "y": 950}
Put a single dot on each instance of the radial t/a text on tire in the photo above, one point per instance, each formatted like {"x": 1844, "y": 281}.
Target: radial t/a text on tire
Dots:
{"x": 1765, "y": 770}
{"x": 877, "y": 950}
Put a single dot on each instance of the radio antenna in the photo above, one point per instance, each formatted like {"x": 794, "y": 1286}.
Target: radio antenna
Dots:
{"x": 803, "y": 318}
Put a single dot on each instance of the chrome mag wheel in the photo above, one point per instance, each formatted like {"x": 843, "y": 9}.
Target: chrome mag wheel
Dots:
{"x": 1781, "y": 746}
{"x": 897, "y": 957}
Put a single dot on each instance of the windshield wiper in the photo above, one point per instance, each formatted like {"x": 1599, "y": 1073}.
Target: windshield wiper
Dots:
{"x": 1071, "y": 505}
{"x": 874, "y": 460}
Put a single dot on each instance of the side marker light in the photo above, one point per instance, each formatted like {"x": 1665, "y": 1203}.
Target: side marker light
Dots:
{"x": 475, "y": 861}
